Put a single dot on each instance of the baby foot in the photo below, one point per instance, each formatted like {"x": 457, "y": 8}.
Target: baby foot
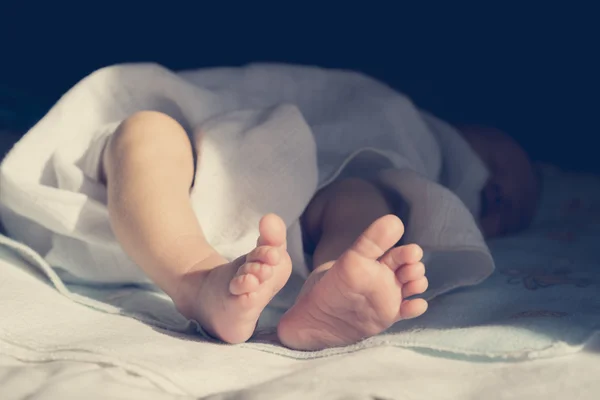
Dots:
{"x": 361, "y": 295}
{"x": 227, "y": 300}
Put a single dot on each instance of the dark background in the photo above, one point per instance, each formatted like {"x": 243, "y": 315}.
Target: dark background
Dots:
{"x": 530, "y": 69}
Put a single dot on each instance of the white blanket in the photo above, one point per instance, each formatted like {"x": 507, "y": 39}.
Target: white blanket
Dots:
{"x": 269, "y": 136}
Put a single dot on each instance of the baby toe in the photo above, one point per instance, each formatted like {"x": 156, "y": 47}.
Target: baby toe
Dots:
{"x": 264, "y": 273}
{"x": 410, "y": 272}
{"x": 411, "y": 253}
{"x": 242, "y": 284}
{"x": 402, "y": 255}
{"x": 414, "y": 287}
{"x": 260, "y": 270}
{"x": 264, "y": 254}
{"x": 379, "y": 237}
{"x": 412, "y": 308}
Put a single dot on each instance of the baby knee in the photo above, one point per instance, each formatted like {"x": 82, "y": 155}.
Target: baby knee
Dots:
{"x": 151, "y": 132}
{"x": 144, "y": 122}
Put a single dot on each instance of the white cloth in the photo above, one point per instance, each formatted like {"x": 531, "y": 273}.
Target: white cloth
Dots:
{"x": 269, "y": 136}
{"x": 68, "y": 351}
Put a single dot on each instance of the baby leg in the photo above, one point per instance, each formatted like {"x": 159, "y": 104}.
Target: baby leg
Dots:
{"x": 148, "y": 169}
{"x": 360, "y": 281}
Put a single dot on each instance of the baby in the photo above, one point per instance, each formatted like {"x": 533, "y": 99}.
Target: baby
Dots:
{"x": 510, "y": 197}
{"x": 361, "y": 281}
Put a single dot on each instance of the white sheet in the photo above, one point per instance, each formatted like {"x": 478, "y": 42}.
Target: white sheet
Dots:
{"x": 413, "y": 375}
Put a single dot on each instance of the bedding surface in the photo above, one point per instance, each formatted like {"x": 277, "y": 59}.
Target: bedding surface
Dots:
{"x": 365, "y": 376}
{"x": 529, "y": 331}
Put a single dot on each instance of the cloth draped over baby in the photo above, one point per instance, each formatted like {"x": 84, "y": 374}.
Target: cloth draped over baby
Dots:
{"x": 268, "y": 137}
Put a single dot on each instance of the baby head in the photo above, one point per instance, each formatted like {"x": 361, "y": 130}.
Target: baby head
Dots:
{"x": 510, "y": 196}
